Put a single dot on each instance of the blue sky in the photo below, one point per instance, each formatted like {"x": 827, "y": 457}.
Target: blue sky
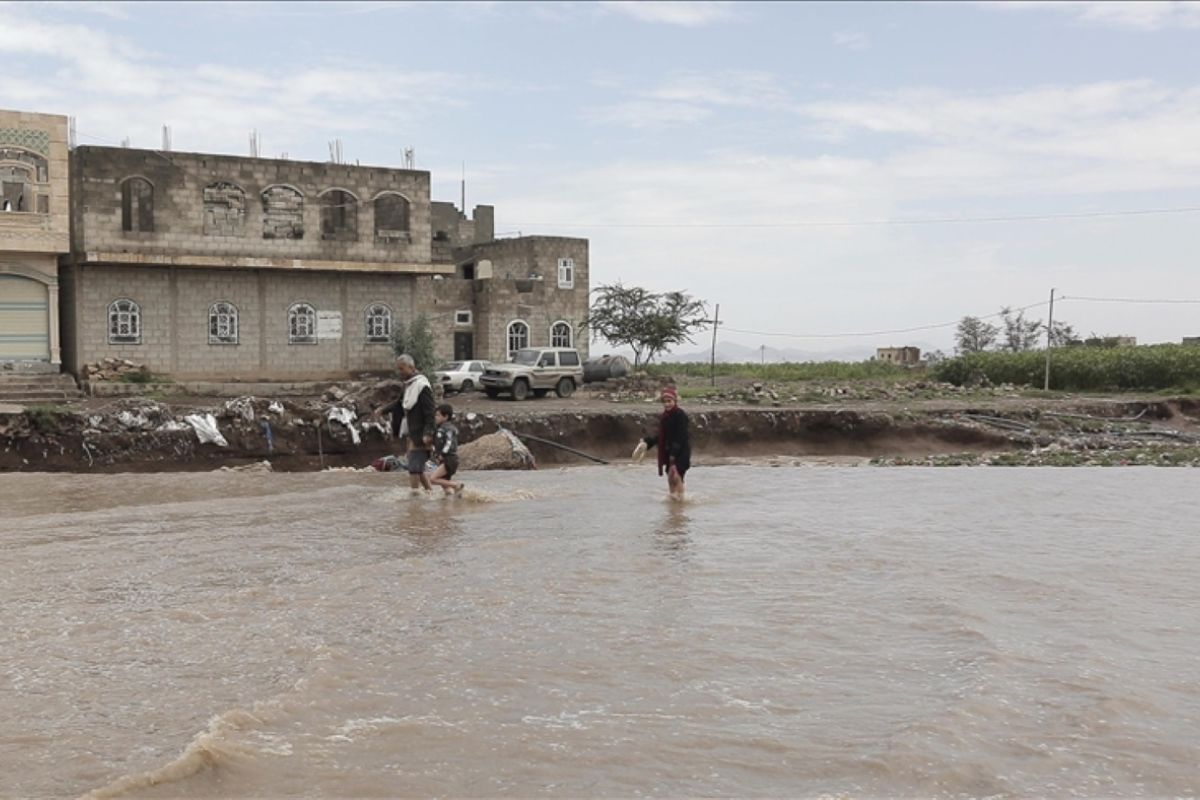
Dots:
{"x": 784, "y": 160}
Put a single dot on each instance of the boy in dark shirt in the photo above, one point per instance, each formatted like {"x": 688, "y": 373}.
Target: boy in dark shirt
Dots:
{"x": 445, "y": 450}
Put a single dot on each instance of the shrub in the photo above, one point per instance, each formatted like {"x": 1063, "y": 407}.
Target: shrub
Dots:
{"x": 1148, "y": 367}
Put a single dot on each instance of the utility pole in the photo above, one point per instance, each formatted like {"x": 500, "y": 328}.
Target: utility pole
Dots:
{"x": 1049, "y": 340}
{"x": 716, "y": 320}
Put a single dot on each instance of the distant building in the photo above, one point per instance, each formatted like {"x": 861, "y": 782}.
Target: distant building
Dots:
{"x": 34, "y": 230}
{"x": 206, "y": 266}
{"x": 899, "y": 355}
{"x": 1192, "y": 340}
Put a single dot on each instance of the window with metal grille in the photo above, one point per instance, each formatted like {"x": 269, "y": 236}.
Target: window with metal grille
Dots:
{"x": 379, "y": 323}
{"x": 302, "y": 324}
{"x": 560, "y": 334}
{"x": 222, "y": 323}
{"x": 518, "y": 337}
{"x": 124, "y": 322}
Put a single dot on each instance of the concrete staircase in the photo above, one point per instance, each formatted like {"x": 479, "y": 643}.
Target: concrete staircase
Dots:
{"x": 18, "y": 388}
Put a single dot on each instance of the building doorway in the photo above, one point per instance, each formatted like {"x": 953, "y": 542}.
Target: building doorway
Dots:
{"x": 464, "y": 346}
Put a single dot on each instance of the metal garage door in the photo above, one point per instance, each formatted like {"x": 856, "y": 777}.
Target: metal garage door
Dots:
{"x": 24, "y": 320}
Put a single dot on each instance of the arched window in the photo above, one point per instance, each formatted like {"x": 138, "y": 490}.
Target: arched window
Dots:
{"x": 222, "y": 323}
{"x": 518, "y": 337}
{"x": 560, "y": 334}
{"x": 124, "y": 322}
{"x": 283, "y": 213}
{"x": 391, "y": 217}
{"x": 379, "y": 323}
{"x": 224, "y": 209}
{"x": 339, "y": 216}
{"x": 302, "y": 324}
{"x": 24, "y": 181}
{"x": 137, "y": 205}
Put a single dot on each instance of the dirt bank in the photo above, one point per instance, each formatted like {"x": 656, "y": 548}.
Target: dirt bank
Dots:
{"x": 336, "y": 431}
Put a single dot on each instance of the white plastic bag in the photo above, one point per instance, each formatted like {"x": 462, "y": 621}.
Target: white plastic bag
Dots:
{"x": 205, "y": 426}
{"x": 346, "y": 417}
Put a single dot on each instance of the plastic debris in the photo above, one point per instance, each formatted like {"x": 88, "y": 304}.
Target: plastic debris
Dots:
{"x": 205, "y": 426}
{"x": 346, "y": 417}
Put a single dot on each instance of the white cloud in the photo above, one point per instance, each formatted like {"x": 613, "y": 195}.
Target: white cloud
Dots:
{"x": 128, "y": 92}
{"x": 1143, "y": 15}
{"x": 852, "y": 40}
{"x": 688, "y": 98}
{"x": 686, "y": 14}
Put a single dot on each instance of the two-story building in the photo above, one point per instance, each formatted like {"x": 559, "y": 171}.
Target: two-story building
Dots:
{"x": 225, "y": 267}
{"x": 34, "y": 226}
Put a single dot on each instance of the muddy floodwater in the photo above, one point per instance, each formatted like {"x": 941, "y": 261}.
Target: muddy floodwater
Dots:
{"x": 569, "y": 632}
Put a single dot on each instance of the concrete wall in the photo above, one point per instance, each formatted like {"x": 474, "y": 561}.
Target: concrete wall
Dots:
{"x": 187, "y": 230}
{"x": 175, "y": 305}
{"x": 454, "y": 228}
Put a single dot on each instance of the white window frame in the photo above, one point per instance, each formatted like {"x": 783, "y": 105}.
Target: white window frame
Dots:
{"x": 508, "y": 337}
{"x": 124, "y": 311}
{"x": 463, "y": 318}
{"x": 557, "y": 342}
{"x": 226, "y": 312}
{"x": 378, "y": 325}
{"x": 302, "y": 313}
{"x": 566, "y": 273}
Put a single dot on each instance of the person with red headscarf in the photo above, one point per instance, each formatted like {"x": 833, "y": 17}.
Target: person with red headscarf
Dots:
{"x": 674, "y": 447}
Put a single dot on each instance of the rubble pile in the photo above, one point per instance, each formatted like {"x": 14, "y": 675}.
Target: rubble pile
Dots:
{"x": 116, "y": 369}
{"x": 638, "y": 386}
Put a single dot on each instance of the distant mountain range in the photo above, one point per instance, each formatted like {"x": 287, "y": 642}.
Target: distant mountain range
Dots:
{"x": 734, "y": 353}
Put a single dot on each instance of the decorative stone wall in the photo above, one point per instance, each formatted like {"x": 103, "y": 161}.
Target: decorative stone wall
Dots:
{"x": 35, "y": 146}
{"x": 282, "y": 206}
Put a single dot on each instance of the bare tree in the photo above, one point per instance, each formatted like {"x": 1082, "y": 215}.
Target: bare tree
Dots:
{"x": 973, "y": 335}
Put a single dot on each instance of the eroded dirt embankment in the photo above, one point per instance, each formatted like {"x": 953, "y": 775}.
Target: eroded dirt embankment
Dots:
{"x": 140, "y": 435}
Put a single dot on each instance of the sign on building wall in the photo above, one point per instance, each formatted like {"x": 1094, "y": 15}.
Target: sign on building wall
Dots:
{"x": 329, "y": 324}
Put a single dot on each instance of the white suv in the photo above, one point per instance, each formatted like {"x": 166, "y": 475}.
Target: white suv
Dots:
{"x": 536, "y": 370}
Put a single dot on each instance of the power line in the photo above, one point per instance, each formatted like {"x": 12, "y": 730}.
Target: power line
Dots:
{"x": 883, "y": 333}
{"x": 1126, "y": 300}
{"x": 866, "y": 223}
{"x": 938, "y": 325}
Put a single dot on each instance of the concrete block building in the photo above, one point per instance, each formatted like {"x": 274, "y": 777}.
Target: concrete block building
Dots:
{"x": 34, "y": 225}
{"x": 220, "y": 267}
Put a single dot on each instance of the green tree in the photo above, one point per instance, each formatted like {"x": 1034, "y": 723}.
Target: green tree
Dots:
{"x": 416, "y": 339}
{"x": 648, "y": 323}
{"x": 973, "y": 335}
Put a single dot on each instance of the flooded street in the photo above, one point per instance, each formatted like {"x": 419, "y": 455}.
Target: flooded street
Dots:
{"x": 786, "y": 632}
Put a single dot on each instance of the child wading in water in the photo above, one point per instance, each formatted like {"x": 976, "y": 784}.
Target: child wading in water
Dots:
{"x": 445, "y": 450}
{"x": 674, "y": 447}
